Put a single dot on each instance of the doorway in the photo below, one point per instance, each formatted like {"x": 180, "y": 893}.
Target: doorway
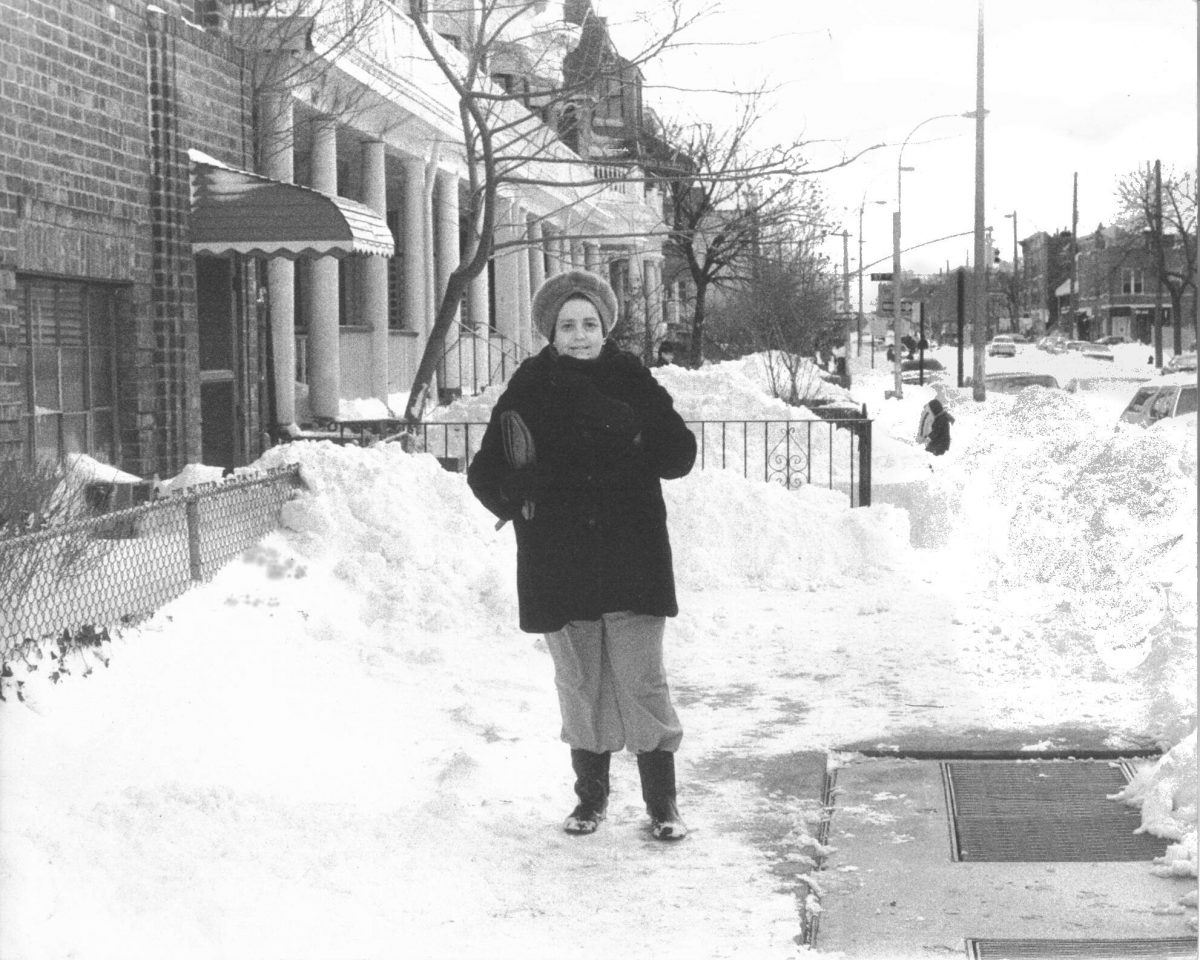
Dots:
{"x": 222, "y": 427}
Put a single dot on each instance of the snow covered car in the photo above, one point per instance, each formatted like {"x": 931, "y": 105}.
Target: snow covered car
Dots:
{"x": 1002, "y": 346}
{"x": 1014, "y": 382}
{"x": 918, "y": 370}
{"x": 1169, "y": 396}
{"x": 1103, "y": 383}
{"x": 1181, "y": 363}
{"x": 1112, "y": 339}
{"x": 1096, "y": 351}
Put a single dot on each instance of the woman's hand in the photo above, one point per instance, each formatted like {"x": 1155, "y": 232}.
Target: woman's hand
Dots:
{"x": 528, "y": 483}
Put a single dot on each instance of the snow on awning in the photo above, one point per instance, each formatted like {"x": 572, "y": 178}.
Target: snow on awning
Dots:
{"x": 235, "y": 211}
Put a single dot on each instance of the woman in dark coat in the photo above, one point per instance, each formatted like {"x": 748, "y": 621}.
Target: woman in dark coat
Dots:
{"x": 580, "y": 480}
{"x": 939, "y": 430}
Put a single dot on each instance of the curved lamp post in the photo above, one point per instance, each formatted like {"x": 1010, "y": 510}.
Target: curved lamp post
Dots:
{"x": 897, "y": 322}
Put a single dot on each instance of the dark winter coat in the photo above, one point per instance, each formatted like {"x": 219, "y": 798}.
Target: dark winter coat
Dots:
{"x": 604, "y": 434}
{"x": 939, "y": 433}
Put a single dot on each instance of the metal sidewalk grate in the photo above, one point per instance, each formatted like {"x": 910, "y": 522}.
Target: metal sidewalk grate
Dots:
{"x": 1042, "y": 811}
{"x": 1175, "y": 949}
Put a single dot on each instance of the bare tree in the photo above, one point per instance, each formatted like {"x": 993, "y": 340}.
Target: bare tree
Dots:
{"x": 727, "y": 200}
{"x": 506, "y": 138}
{"x": 1168, "y": 230}
{"x": 786, "y": 316}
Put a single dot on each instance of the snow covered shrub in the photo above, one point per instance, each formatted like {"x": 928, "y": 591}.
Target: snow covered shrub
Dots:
{"x": 41, "y": 499}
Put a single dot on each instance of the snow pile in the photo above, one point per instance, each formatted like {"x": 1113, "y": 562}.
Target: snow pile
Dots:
{"x": 727, "y": 531}
{"x": 734, "y": 389}
{"x": 1166, "y": 792}
{"x": 412, "y": 538}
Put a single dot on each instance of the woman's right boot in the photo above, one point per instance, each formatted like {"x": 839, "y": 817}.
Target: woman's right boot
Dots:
{"x": 591, "y": 786}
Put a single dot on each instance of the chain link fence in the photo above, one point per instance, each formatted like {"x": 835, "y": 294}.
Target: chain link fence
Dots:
{"x": 121, "y": 566}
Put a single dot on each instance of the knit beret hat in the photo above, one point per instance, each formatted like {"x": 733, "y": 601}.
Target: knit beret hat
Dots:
{"x": 556, "y": 291}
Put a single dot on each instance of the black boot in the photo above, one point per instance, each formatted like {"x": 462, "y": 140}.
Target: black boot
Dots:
{"x": 657, "y": 768}
{"x": 591, "y": 785}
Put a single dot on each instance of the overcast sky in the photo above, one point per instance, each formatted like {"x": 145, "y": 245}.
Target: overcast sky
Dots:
{"x": 1098, "y": 87}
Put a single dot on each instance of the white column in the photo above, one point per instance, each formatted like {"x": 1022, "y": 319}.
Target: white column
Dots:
{"x": 537, "y": 255}
{"x": 281, "y": 274}
{"x": 324, "y": 355}
{"x": 413, "y": 252}
{"x": 654, "y": 296}
{"x": 672, "y": 317}
{"x": 508, "y": 273}
{"x": 578, "y": 258}
{"x": 446, "y": 214}
{"x": 375, "y": 271}
{"x": 524, "y": 299}
{"x": 477, "y": 306}
{"x": 591, "y": 257}
{"x": 562, "y": 253}
{"x": 637, "y": 293}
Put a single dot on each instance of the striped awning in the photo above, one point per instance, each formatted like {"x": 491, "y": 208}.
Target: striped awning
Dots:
{"x": 234, "y": 211}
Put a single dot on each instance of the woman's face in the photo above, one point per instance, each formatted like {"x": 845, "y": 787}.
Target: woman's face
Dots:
{"x": 577, "y": 331}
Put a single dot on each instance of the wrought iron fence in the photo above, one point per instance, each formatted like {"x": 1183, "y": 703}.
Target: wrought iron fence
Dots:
{"x": 120, "y": 567}
{"x": 834, "y": 453}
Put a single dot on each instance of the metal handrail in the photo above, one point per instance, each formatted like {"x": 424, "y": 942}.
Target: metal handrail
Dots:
{"x": 510, "y": 355}
{"x": 793, "y": 453}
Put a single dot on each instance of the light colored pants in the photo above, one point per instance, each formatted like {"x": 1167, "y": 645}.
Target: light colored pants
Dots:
{"x": 612, "y": 688}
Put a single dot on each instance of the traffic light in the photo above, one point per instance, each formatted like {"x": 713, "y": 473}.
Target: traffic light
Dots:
{"x": 996, "y": 256}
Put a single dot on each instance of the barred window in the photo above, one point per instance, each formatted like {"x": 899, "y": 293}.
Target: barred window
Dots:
{"x": 66, "y": 364}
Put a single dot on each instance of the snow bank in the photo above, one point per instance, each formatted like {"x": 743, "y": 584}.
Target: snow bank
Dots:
{"x": 1166, "y": 791}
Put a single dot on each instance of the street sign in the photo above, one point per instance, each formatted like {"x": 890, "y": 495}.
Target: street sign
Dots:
{"x": 881, "y": 277}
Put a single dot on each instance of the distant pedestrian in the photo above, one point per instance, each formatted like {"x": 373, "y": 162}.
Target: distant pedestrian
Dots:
{"x": 939, "y": 429}
{"x": 666, "y": 354}
{"x": 925, "y": 424}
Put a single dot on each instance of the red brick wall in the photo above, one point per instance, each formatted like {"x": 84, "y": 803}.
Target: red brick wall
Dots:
{"x": 100, "y": 102}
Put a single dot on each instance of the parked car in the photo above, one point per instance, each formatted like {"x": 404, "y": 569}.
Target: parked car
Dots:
{"x": 1168, "y": 396}
{"x": 1104, "y": 383}
{"x": 911, "y": 370}
{"x": 1056, "y": 344}
{"x": 1112, "y": 339}
{"x": 1002, "y": 345}
{"x": 1074, "y": 346}
{"x": 1014, "y": 382}
{"x": 1019, "y": 338}
{"x": 1181, "y": 363}
{"x": 1096, "y": 351}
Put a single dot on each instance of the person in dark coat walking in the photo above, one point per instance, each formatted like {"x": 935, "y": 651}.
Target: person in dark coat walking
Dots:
{"x": 594, "y": 568}
{"x": 939, "y": 430}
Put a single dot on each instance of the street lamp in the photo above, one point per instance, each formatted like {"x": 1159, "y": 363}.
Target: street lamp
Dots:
{"x": 861, "y": 207}
{"x": 897, "y": 322}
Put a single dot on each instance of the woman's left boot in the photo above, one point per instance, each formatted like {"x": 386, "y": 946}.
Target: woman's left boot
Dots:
{"x": 657, "y": 769}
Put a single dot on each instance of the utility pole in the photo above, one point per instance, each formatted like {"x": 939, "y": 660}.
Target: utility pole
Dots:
{"x": 847, "y": 340}
{"x": 1158, "y": 294}
{"x": 860, "y": 271}
{"x": 960, "y": 308}
{"x": 981, "y": 255}
{"x": 1074, "y": 256}
{"x": 1017, "y": 285}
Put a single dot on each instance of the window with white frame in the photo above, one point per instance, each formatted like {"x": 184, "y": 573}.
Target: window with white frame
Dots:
{"x": 66, "y": 364}
{"x": 1132, "y": 281}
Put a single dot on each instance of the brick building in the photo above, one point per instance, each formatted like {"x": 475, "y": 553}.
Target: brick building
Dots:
{"x": 196, "y": 254}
